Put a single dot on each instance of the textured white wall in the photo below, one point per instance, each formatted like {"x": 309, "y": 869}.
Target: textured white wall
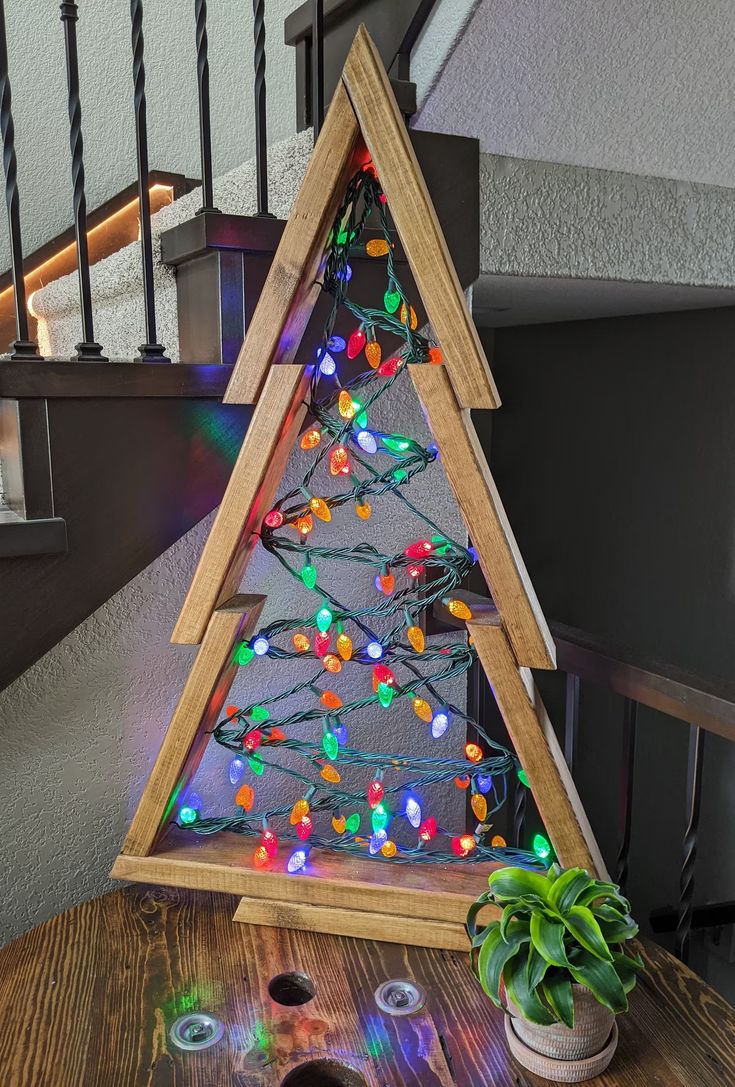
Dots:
{"x": 634, "y": 85}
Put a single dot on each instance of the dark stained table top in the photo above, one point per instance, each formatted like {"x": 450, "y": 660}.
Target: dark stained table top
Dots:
{"x": 87, "y": 1000}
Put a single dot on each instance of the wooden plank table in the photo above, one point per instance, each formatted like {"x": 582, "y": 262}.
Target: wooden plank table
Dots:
{"x": 87, "y": 1000}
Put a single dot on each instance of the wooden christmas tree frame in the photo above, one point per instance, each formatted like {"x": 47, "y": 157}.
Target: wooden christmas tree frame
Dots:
{"x": 421, "y": 904}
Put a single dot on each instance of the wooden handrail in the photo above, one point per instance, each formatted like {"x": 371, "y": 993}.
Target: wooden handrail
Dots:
{"x": 710, "y": 704}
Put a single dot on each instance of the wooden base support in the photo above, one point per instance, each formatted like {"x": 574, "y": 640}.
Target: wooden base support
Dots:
{"x": 420, "y": 904}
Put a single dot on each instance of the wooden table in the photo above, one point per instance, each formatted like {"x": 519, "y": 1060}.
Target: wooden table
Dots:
{"x": 88, "y": 999}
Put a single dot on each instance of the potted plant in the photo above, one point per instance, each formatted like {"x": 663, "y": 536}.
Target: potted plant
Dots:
{"x": 555, "y": 961}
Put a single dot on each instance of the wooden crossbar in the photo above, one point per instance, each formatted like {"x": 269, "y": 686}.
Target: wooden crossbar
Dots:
{"x": 537, "y": 748}
{"x": 187, "y": 736}
{"x": 482, "y": 509}
{"x": 268, "y": 442}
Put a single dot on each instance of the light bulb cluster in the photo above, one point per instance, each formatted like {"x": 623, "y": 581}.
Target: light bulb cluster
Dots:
{"x": 353, "y": 463}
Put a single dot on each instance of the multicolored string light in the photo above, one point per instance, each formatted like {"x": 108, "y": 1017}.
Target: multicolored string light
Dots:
{"x": 370, "y": 464}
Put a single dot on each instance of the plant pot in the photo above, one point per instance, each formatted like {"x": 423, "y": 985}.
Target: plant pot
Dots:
{"x": 558, "y": 1053}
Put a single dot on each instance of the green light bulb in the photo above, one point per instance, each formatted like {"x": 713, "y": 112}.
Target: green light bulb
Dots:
{"x": 399, "y": 475}
{"x": 256, "y": 764}
{"x": 523, "y": 778}
{"x": 188, "y": 816}
{"x": 360, "y": 417}
{"x": 259, "y": 713}
{"x": 380, "y": 818}
{"x": 396, "y": 444}
{"x": 308, "y": 576}
{"x": 244, "y": 654}
{"x": 324, "y": 619}
{"x": 541, "y": 847}
{"x": 385, "y": 695}
{"x": 353, "y": 823}
{"x": 330, "y": 745}
{"x": 391, "y": 301}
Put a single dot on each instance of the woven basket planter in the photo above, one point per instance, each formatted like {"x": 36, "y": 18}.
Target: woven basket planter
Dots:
{"x": 558, "y": 1053}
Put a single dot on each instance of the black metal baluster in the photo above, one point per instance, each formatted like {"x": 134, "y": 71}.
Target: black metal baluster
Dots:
{"x": 686, "y": 881}
{"x": 627, "y": 773}
{"x": 150, "y": 351}
{"x": 88, "y": 349}
{"x": 23, "y": 347}
{"x": 261, "y": 131}
{"x": 317, "y": 66}
{"x": 519, "y": 814}
{"x": 205, "y": 126}
{"x": 571, "y": 719}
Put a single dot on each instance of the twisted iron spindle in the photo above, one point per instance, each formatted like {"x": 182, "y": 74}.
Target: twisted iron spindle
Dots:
{"x": 88, "y": 349}
{"x": 205, "y": 128}
{"x": 23, "y": 347}
{"x": 571, "y": 719}
{"x": 261, "y": 134}
{"x": 686, "y": 880}
{"x": 627, "y": 771}
{"x": 151, "y": 350}
{"x": 519, "y": 814}
{"x": 317, "y": 66}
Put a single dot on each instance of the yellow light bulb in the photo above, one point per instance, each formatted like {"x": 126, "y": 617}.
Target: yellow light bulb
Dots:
{"x": 422, "y": 709}
{"x": 339, "y": 823}
{"x": 330, "y": 774}
{"x": 320, "y": 509}
{"x": 299, "y": 810}
{"x": 459, "y": 609}
{"x": 377, "y": 247}
{"x": 479, "y": 807}
{"x": 301, "y": 643}
{"x": 415, "y": 636}
{"x": 344, "y": 646}
{"x": 389, "y": 849}
{"x": 345, "y": 405}
{"x": 498, "y": 842}
{"x": 373, "y": 353}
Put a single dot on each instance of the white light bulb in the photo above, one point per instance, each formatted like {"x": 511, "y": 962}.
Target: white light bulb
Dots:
{"x": 328, "y": 366}
{"x": 413, "y": 812}
{"x": 261, "y": 646}
{"x": 439, "y": 724}
{"x": 367, "y": 441}
{"x": 374, "y": 650}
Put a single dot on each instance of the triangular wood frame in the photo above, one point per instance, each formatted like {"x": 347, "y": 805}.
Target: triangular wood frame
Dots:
{"x": 419, "y": 904}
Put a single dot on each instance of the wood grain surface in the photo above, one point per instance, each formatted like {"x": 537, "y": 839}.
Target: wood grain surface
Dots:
{"x": 87, "y": 1000}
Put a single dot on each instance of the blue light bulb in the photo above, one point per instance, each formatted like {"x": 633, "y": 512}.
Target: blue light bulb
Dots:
{"x": 336, "y": 344}
{"x": 237, "y": 766}
{"x": 440, "y": 723}
{"x": 413, "y": 812}
{"x": 345, "y": 275}
{"x": 340, "y": 731}
{"x": 374, "y": 650}
{"x": 484, "y": 782}
{"x": 261, "y": 645}
{"x": 377, "y": 841}
{"x": 297, "y": 861}
{"x": 367, "y": 441}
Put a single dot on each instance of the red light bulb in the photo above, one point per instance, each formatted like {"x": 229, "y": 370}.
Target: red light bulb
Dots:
{"x": 390, "y": 367}
{"x": 355, "y": 344}
{"x": 339, "y": 462}
{"x": 428, "y": 829}
{"x": 274, "y": 519}
{"x": 269, "y": 841}
{"x": 383, "y": 674}
{"x": 419, "y": 550}
{"x": 321, "y": 644}
{"x": 463, "y": 845}
{"x": 415, "y": 569}
{"x": 304, "y": 827}
{"x": 252, "y": 740}
{"x": 376, "y": 792}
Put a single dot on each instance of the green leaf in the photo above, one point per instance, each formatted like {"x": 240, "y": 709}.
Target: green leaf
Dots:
{"x": 517, "y": 883}
{"x": 583, "y": 927}
{"x": 627, "y": 968}
{"x": 557, "y": 988}
{"x": 514, "y": 911}
{"x": 608, "y": 892}
{"x": 495, "y": 953}
{"x": 548, "y": 938}
{"x": 516, "y": 984}
{"x": 537, "y": 967}
{"x": 568, "y": 887}
{"x": 615, "y": 927}
{"x": 601, "y": 979}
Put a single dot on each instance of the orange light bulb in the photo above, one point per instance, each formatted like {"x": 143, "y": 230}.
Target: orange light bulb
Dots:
{"x": 435, "y": 356}
{"x": 310, "y": 439}
{"x": 299, "y": 810}
{"x": 415, "y": 636}
{"x": 373, "y": 354}
{"x": 331, "y": 775}
{"x": 473, "y": 752}
{"x": 345, "y": 405}
{"x": 320, "y": 508}
{"x": 245, "y": 797}
{"x": 344, "y": 646}
{"x": 498, "y": 842}
{"x": 304, "y": 524}
{"x": 389, "y": 849}
{"x": 422, "y": 709}
{"x": 301, "y": 643}
{"x": 331, "y": 663}
{"x": 364, "y": 511}
{"x": 261, "y": 858}
{"x": 331, "y": 700}
{"x": 459, "y": 609}
{"x": 339, "y": 824}
{"x": 478, "y": 804}
{"x": 377, "y": 247}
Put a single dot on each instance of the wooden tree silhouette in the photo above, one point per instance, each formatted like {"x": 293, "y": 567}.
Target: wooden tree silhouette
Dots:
{"x": 350, "y": 895}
